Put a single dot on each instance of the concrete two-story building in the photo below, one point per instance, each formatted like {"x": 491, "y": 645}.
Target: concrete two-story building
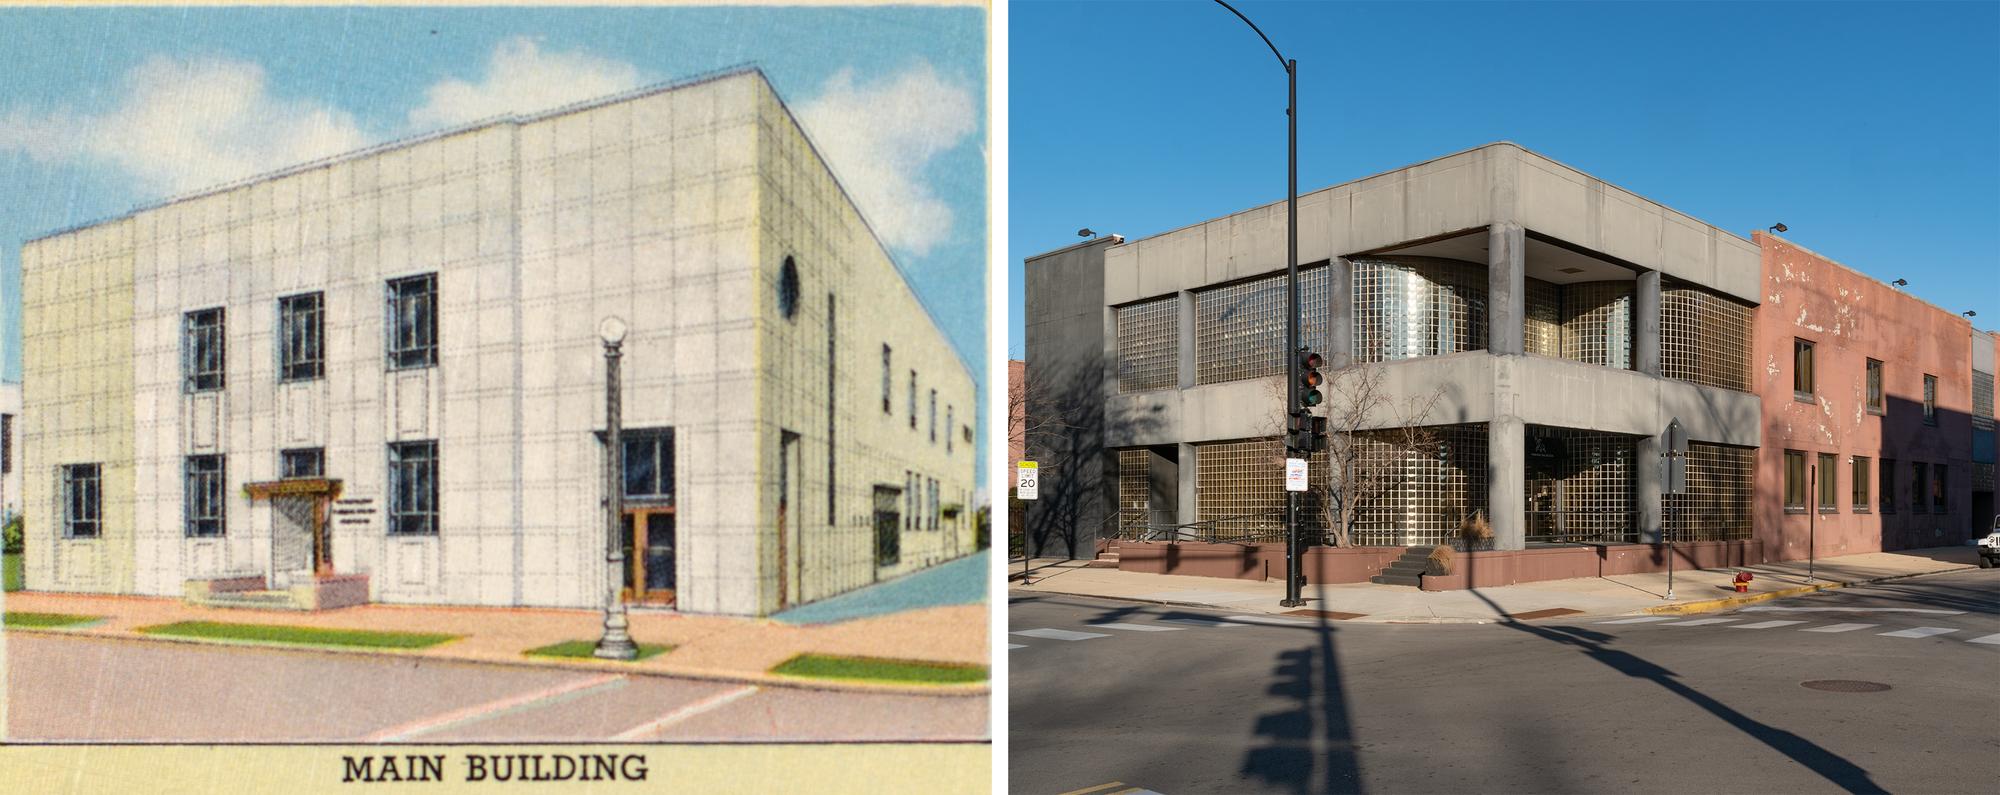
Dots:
{"x": 383, "y": 371}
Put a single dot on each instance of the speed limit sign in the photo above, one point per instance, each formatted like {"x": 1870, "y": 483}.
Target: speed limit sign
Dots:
{"x": 1026, "y": 481}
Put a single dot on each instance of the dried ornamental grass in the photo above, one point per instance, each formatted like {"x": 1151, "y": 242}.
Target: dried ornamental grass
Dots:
{"x": 1441, "y": 561}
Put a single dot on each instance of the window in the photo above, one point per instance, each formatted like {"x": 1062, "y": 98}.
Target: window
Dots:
{"x": 649, "y": 464}
{"x": 913, "y": 400}
{"x": 1829, "y": 482}
{"x": 6, "y": 444}
{"x": 888, "y": 526}
{"x": 933, "y": 416}
{"x": 1802, "y": 370}
{"x": 413, "y": 489}
{"x": 886, "y": 370}
{"x": 1930, "y": 400}
{"x": 1795, "y": 481}
{"x": 1886, "y": 490}
{"x": 1874, "y": 387}
{"x": 413, "y": 322}
{"x": 1982, "y": 401}
{"x": 81, "y": 515}
{"x": 788, "y": 289}
{"x": 949, "y": 421}
{"x": 1920, "y": 475}
{"x": 305, "y": 462}
{"x": 932, "y": 513}
{"x": 1858, "y": 489}
{"x": 1939, "y": 491}
{"x": 1149, "y": 345}
{"x": 201, "y": 349}
{"x": 204, "y": 503}
{"x": 301, "y": 347}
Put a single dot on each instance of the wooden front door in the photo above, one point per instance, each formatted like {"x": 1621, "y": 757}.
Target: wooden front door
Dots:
{"x": 648, "y": 537}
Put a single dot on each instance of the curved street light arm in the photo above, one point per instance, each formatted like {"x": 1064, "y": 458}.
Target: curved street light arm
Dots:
{"x": 1260, "y": 34}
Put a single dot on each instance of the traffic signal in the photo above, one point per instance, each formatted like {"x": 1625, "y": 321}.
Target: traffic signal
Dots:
{"x": 1318, "y": 435}
{"x": 1309, "y": 378}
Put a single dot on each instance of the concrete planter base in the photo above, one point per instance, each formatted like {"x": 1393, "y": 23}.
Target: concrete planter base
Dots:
{"x": 1444, "y": 582}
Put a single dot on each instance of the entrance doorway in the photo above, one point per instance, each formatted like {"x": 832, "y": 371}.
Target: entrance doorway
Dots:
{"x": 648, "y": 537}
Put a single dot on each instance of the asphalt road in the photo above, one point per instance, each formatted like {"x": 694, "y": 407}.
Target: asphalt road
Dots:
{"x": 1700, "y": 703}
{"x": 102, "y": 690}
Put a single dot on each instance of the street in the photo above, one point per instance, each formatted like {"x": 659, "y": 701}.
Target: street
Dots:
{"x": 70, "y": 689}
{"x": 1185, "y": 700}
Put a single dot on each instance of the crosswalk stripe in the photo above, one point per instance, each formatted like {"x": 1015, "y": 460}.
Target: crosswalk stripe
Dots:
{"x": 1017, "y": 645}
{"x": 1766, "y": 624}
{"x": 1840, "y": 628}
{"x": 1059, "y": 634}
{"x": 1202, "y": 622}
{"x": 1919, "y": 632}
{"x": 1988, "y": 639}
{"x": 1135, "y": 627}
{"x": 1268, "y": 620}
{"x": 1096, "y": 789}
{"x": 1640, "y": 620}
{"x": 1701, "y": 621}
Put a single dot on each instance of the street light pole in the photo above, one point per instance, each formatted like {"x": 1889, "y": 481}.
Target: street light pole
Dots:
{"x": 1292, "y": 408}
{"x": 617, "y": 643}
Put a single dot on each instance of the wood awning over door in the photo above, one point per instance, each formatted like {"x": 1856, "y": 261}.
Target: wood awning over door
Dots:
{"x": 321, "y": 491}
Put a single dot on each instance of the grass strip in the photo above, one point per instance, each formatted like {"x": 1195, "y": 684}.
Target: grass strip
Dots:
{"x": 14, "y": 575}
{"x": 868, "y": 669}
{"x": 49, "y": 620}
{"x": 587, "y": 649}
{"x": 302, "y": 636}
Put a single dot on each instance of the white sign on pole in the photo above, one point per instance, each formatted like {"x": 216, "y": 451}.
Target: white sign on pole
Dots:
{"x": 1026, "y": 482}
{"x": 1295, "y": 474}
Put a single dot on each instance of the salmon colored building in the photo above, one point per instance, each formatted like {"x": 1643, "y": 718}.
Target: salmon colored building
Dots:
{"x": 1878, "y": 413}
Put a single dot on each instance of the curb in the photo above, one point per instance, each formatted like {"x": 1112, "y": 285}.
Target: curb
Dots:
{"x": 1201, "y": 605}
{"x": 573, "y": 664}
{"x": 1718, "y": 604}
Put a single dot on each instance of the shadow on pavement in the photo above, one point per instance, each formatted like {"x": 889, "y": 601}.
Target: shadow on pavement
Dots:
{"x": 1309, "y": 747}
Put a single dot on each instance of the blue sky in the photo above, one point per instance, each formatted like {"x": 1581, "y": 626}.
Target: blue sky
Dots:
{"x": 1871, "y": 130}
{"x": 103, "y": 109}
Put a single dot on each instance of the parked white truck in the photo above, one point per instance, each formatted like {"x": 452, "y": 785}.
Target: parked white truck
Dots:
{"x": 1989, "y": 547}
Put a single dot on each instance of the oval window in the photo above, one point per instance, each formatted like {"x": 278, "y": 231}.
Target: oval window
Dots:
{"x": 788, "y": 289}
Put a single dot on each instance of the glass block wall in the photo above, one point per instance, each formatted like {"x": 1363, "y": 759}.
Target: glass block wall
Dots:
{"x": 1425, "y": 493}
{"x": 1541, "y": 324}
{"x": 1597, "y": 323}
{"x": 1717, "y": 505}
{"x": 1594, "y": 494}
{"x": 1704, "y": 338}
{"x": 1982, "y": 476}
{"x": 1149, "y": 345}
{"x": 1982, "y": 400}
{"x": 1241, "y": 492}
{"x": 1417, "y": 306}
{"x": 1240, "y": 328}
{"x": 1134, "y": 470}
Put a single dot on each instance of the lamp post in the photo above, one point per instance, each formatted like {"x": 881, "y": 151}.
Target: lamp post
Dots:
{"x": 617, "y": 643}
{"x": 1292, "y": 408}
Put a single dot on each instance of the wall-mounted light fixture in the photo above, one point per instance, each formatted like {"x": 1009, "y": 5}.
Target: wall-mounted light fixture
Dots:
{"x": 1969, "y": 313}
{"x": 1777, "y": 227}
{"x": 1085, "y": 232}
{"x": 1901, "y": 282}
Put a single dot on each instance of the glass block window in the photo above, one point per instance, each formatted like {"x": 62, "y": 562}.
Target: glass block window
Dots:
{"x": 203, "y": 496}
{"x": 1930, "y": 400}
{"x": 1424, "y": 494}
{"x": 1242, "y": 492}
{"x": 1541, "y": 324}
{"x": 1704, "y": 339}
{"x": 1982, "y": 400}
{"x": 1982, "y": 477}
{"x": 83, "y": 496}
{"x": 1417, "y": 306}
{"x": 1133, "y": 492}
{"x": 1149, "y": 345}
{"x": 1597, "y": 323}
{"x": 202, "y": 349}
{"x": 1594, "y": 494}
{"x": 1720, "y": 491}
{"x": 1858, "y": 481}
{"x": 1875, "y": 387}
{"x": 1885, "y": 491}
{"x": 1240, "y": 329}
{"x": 301, "y": 343}
{"x": 1829, "y": 482}
{"x": 413, "y": 488}
{"x": 413, "y": 322}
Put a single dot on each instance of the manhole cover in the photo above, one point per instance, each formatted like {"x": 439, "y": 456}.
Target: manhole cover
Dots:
{"x": 1845, "y": 686}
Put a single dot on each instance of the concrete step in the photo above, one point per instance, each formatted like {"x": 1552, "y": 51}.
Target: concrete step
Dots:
{"x": 1397, "y": 579}
{"x": 252, "y": 600}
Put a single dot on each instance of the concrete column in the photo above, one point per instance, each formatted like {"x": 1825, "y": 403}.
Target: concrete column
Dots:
{"x": 1507, "y": 481}
{"x": 1648, "y": 465}
{"x": 1185, "y": 349}
{"x": 1340, "y": 314}
{"x": 1506, "y": 274}
{"x": 1190, "y": 470}
{"x": 1163, "y": 487}
{"x": 1646, "y": 322}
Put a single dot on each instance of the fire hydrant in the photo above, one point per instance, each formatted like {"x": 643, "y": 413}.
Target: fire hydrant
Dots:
{"x": 1743, "y": 582}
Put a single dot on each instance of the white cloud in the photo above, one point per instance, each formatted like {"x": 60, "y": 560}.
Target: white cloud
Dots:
{"x": 183, "y": 125}
{"x": 520, "y": 78}
{"x": 881, "y": 137}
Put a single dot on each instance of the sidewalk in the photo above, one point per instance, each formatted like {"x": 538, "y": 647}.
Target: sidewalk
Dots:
{"x": 1694, "y": 591}
{"x": 705, "y": 647}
